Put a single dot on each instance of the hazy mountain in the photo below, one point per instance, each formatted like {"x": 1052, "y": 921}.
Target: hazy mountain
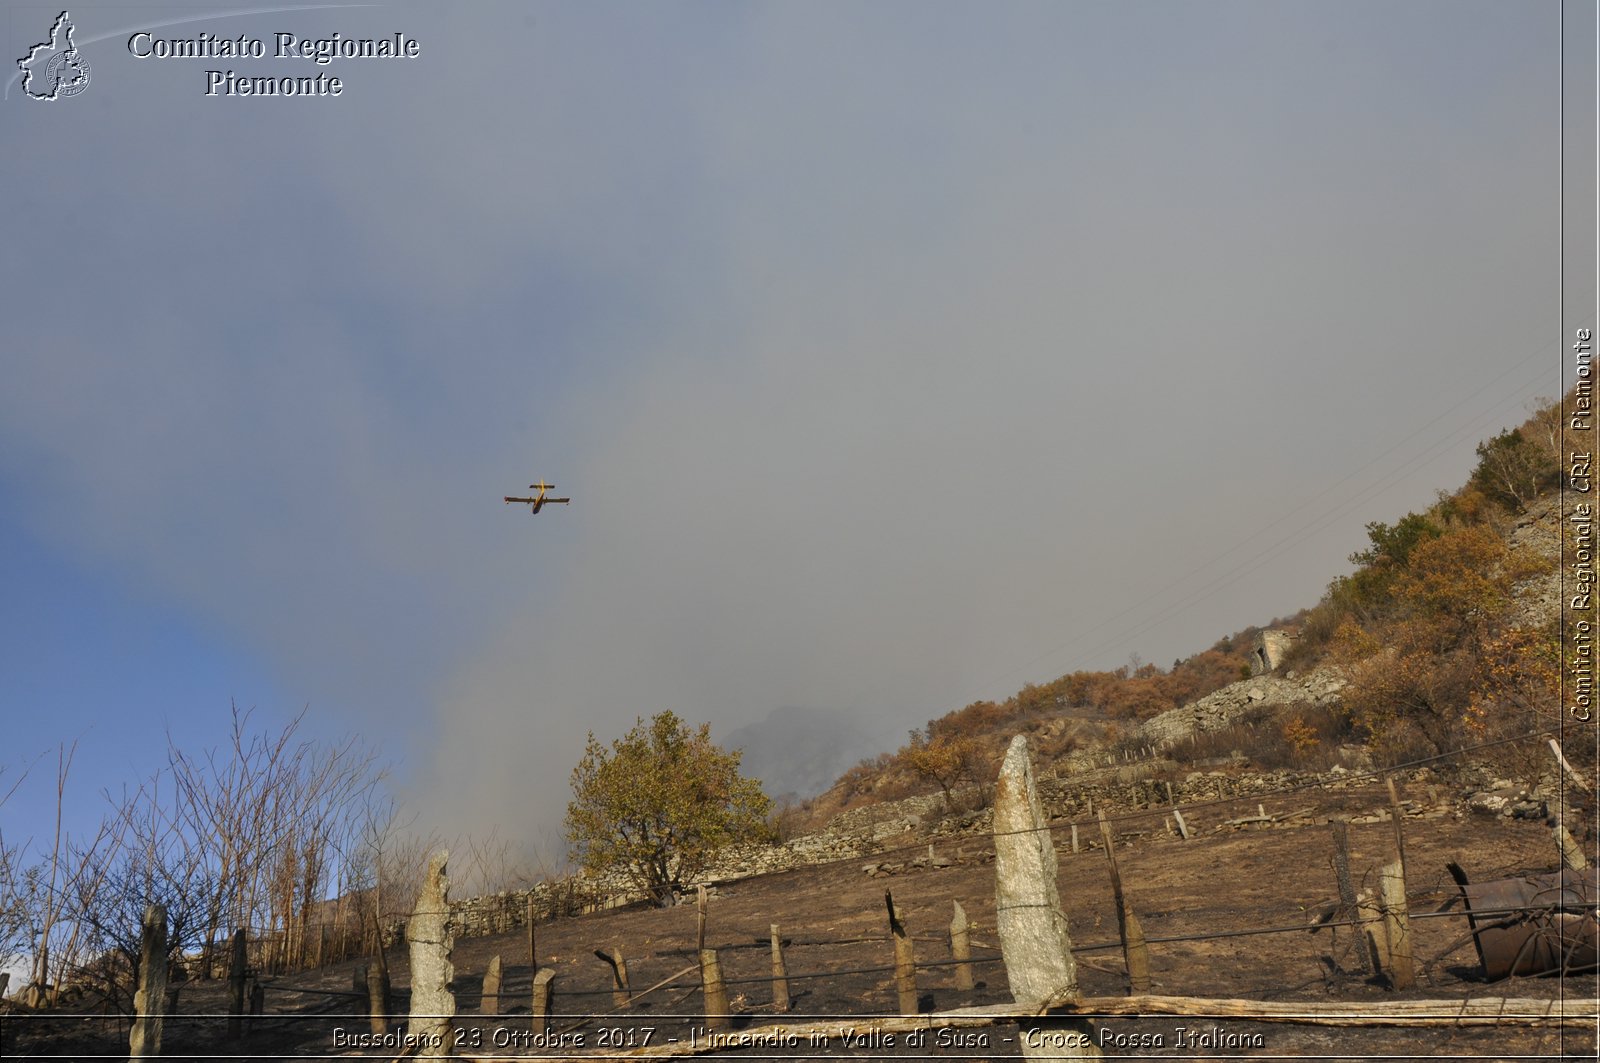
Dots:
{"x": 800, "y": 751}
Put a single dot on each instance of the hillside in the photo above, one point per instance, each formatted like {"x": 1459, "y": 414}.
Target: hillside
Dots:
{"x": 1410, "y": 701}
{"x": 1204, "y": 904}
{"x": 1443, "y": 636}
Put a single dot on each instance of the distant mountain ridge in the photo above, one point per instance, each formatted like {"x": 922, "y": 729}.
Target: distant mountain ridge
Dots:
{"x": 799, "y": 752}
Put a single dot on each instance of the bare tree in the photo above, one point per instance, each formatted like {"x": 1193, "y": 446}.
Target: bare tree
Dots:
{"x": 252, "y": 834}
{"x": 13, "y": 911}
{"x": 147, "y": 859}
{"x": 1514, "y": 469}
{"x": 50, "y": 907}
{"x": 42, "y": 897}
{"x": 274, "y": 816}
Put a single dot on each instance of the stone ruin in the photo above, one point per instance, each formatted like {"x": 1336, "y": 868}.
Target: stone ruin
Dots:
{"x": 1270, "y": 648}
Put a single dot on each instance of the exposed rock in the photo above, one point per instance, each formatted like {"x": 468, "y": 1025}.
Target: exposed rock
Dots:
{"x": 1219, "y": 709}
{"x": 1270, "y": 648}
{"x": 1530, "y": 808}
{"x": 1538, "y": 530}
{"x": 1493, "y": 802}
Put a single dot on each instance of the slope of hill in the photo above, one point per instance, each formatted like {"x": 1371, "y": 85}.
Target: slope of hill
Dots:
{"x": 1444, "y": 635}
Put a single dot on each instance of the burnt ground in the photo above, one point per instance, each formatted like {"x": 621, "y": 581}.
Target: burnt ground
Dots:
{"x": 833, "y": 917}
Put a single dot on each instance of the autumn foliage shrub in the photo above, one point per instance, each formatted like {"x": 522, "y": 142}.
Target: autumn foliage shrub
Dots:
{"x": 660, "y": 803}
{"x": 1442, "y": 656}
{"x": 947, "y": 760}
{"x": 1307, "y": 740}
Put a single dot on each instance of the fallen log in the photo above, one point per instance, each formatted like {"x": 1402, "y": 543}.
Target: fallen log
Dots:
{"x": 1484, "y": 1011}
{"x": 1246, "y": 820}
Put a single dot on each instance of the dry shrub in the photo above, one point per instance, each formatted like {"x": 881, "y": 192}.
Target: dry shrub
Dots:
{"x": 1306, "y": 739}
{"x": 789, "y": 818}
{"x": 978, "y": 718}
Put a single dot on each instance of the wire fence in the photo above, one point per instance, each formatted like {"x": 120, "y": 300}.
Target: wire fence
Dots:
{"x": 519, "y": 983}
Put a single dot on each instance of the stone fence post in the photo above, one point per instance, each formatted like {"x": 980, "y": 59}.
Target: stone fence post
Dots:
{"x": 144, "y": 1040}
{"x": 1034, "y": 942}
{"x": 429, "y": 936}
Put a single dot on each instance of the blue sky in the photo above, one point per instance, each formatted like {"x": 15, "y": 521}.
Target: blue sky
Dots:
{"x": 894, "y": 355}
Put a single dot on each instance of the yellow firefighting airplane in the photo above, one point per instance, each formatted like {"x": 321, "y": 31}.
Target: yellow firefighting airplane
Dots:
{"x": 535, "y": 503}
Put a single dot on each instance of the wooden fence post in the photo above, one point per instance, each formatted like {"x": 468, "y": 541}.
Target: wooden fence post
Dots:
{"x": 1397, "y": 815}
{"x": 543, "y": 998}
{"x": 715, "y": 993}
{"x": 258, "y": 1004}
{"x": 238, "y": 963}
{"x": 961, "y": 947}
{"x": 489, "y": 999}
{"x": 1369, "y": 927}
{"x": 1134, "y": 951}
{"x": 1074, "y": 837}
{"x": 1555, "y": 747}
{"x": 1183, "y": 828}
{"x": 620, "y": 992}
{"x": 171, "y": 1007}
{"x": 780, "y": 973}
{"x": 905, "y": 964}
{"x": 1348, "y": 902}
{"x": 1034, "y": 941}
{"x": 1396, "y": 924}
{"x": 144, "y": 1039}
{"x": 533, "y": 952}
{"x": 1347, "y": 892}
{"x": 1571, "y": 852}
{"x": 711, "y": 987}
{"x": 700, "y": 918}
{"x": 378, "y": 1004}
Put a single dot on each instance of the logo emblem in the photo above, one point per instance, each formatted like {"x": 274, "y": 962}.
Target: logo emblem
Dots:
{"x": 55, "y": 69}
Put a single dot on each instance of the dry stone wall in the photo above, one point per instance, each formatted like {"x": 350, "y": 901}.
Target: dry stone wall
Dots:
{"x": 908, "y": 833}
{"x": 1072, "y": 788}
{"x": 1218, "y": 710}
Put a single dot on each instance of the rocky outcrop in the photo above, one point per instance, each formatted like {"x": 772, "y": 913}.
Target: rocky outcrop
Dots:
{"x": 1218, "y": 710}
{"x": 1538, "y": 530}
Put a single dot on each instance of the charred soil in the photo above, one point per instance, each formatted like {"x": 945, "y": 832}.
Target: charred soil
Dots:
{"x": 1204, "y": 905}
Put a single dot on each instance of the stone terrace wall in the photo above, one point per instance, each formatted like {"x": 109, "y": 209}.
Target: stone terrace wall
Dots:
{"x": 1217, "y": 710}
{"x": 917, "y": 821}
